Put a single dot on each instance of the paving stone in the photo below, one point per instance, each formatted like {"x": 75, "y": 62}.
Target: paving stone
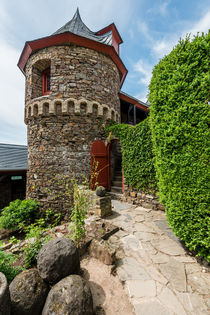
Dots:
{"x": 163, "y": 225}
{"x": 132, "y": 242}
{"x": 200, "y": 282}
{"x": 141, "y": 209}
{"x": 128, "y": 216}
{"x": 168, "y": 246}
{"x": 121, "y": 205}
{"x": 169, "y": 300}
{"x": 193, "y": 303}
{"x": 129, "y": 269}
{"x": 145, "y": 257}
{"x": 146, "y": 236}
{"x": 192, "y": 268}
{"x": 151, "y": 307}
{"x": 175, "y": 273}
{"x": 141, "y": 227}
{"x": 154, "y": 227}
{"x": 148, "y": 247}
{"x": 159, "y": 258}
{"x": 141, "y": 288}
{"x": 121, "y": 234}
{"x": 139, "y": 218}
{"x": 156, "y": 275}
{"x": 185, "y": 259}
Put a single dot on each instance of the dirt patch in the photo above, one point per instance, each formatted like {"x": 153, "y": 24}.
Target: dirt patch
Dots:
{"x": 109, "y": 297}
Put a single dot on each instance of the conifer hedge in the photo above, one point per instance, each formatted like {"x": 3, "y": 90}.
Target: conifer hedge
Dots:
{"x": 179, "y": 117}
{"x": 137, "y": 156}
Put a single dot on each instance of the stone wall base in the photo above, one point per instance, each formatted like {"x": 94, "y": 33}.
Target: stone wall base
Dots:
{"x": 142, "y": 199}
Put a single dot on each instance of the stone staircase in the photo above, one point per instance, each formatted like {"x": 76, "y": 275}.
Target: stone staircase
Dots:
{"x": 116, "y": 184}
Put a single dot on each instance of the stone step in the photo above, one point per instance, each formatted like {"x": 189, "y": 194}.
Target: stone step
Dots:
{"x": 116, "y": 189}
{"x": 117, "y": 183}
{"x": 118, "y": 178}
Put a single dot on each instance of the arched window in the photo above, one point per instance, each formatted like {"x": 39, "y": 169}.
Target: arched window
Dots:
{"x": 46, "y": 81}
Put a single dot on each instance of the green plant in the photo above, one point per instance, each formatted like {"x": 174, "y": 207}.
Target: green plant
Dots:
{"x": 13, "y": 240}
{"x": 137, "y": 155}
{"x": 33, "y": 248}
{"x": 6, "y": 267}
{"x": 51, "y": 218}
{"x": 19, "y": 214}
{"x": 81, "y": 204}
{"x": 179, "y": 119}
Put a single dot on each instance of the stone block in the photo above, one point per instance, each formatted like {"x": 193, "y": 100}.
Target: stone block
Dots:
{"x": 103, "y": 206}
{"x": 102, "y": 250}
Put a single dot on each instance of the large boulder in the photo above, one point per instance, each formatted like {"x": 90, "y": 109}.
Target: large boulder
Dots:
{"x": 4, "y": 296}
{"x": 57, "y": 259}
{"x": 70, "y": 296}
{"x": 28, "y": 293}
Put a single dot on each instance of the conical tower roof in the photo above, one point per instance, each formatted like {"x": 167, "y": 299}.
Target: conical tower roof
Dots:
{"x": 77, "y": 27}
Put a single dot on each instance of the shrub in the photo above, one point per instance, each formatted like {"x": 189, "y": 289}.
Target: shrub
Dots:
{"x": 179, "y": 122}
{"x": 19, "y": 214}
{"x": 6, "y": 261}
{"x": 137, "y": 155}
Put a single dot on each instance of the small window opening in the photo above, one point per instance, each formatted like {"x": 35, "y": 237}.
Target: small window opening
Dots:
{"x": 46, "y": 81}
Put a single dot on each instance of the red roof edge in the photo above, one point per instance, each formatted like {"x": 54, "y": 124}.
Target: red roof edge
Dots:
{"x": 116, "y": 38}
{"x": 133, "y": 101}
{"x": 68, "y": 37}
{"x": 112, "y": 28}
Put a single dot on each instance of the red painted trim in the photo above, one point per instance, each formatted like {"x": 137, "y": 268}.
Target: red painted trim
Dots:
{"x": 134, "y": 102}
{"x": 116, "y": 38}
{"x": 66, "y": 38}
{"x": 112, "y": 28}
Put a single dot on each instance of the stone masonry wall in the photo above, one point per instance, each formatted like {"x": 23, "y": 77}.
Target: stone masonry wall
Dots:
{"x": 63, "y": 124}
{"x": 140, "y": 198}
{"x": 77, "y": 72}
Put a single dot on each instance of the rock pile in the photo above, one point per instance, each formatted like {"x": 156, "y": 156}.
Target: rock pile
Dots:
{"x": 53, "y": 288}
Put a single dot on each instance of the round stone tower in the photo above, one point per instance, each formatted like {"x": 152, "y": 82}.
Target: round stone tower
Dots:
{"x": 73, "y": 78}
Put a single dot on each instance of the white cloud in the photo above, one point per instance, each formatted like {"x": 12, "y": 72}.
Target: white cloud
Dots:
{"x": 201, "y": 25}
{"x": 164, "y": 46}
{"x": 145, "y": 71}
{"x": 12, "y": 94}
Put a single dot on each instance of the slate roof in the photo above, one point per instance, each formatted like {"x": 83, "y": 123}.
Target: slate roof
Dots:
{"x": 77, "y": 27}
{"x": 13, "y": 157}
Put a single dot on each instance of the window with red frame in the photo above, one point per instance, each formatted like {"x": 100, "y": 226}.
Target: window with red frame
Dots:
{"x": 46, "y": 81}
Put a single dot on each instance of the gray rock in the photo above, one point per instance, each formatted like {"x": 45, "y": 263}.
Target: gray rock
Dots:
{"x": 58, "y": 259}
{"x": 28, "y": 292}
{"x": 100, "y": 191}
{"x": 70, "y": 296}
{"x": 4, "y": 296}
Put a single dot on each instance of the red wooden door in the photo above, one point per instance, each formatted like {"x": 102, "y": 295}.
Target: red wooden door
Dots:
{"x": 99, "y": 165}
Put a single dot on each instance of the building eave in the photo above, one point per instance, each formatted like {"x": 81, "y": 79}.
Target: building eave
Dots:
{"x": 132, "y": 100}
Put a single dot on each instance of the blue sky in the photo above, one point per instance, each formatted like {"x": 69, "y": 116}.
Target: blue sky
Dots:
{"x": 149, "y": 29}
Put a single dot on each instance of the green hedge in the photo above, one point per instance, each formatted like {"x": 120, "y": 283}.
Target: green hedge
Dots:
{"x": 137, "y": 156}
{"x": 179, "y": 119}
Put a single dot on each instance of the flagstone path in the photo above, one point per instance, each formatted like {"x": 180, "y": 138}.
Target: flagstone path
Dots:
{"x": 158, "y": 274}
